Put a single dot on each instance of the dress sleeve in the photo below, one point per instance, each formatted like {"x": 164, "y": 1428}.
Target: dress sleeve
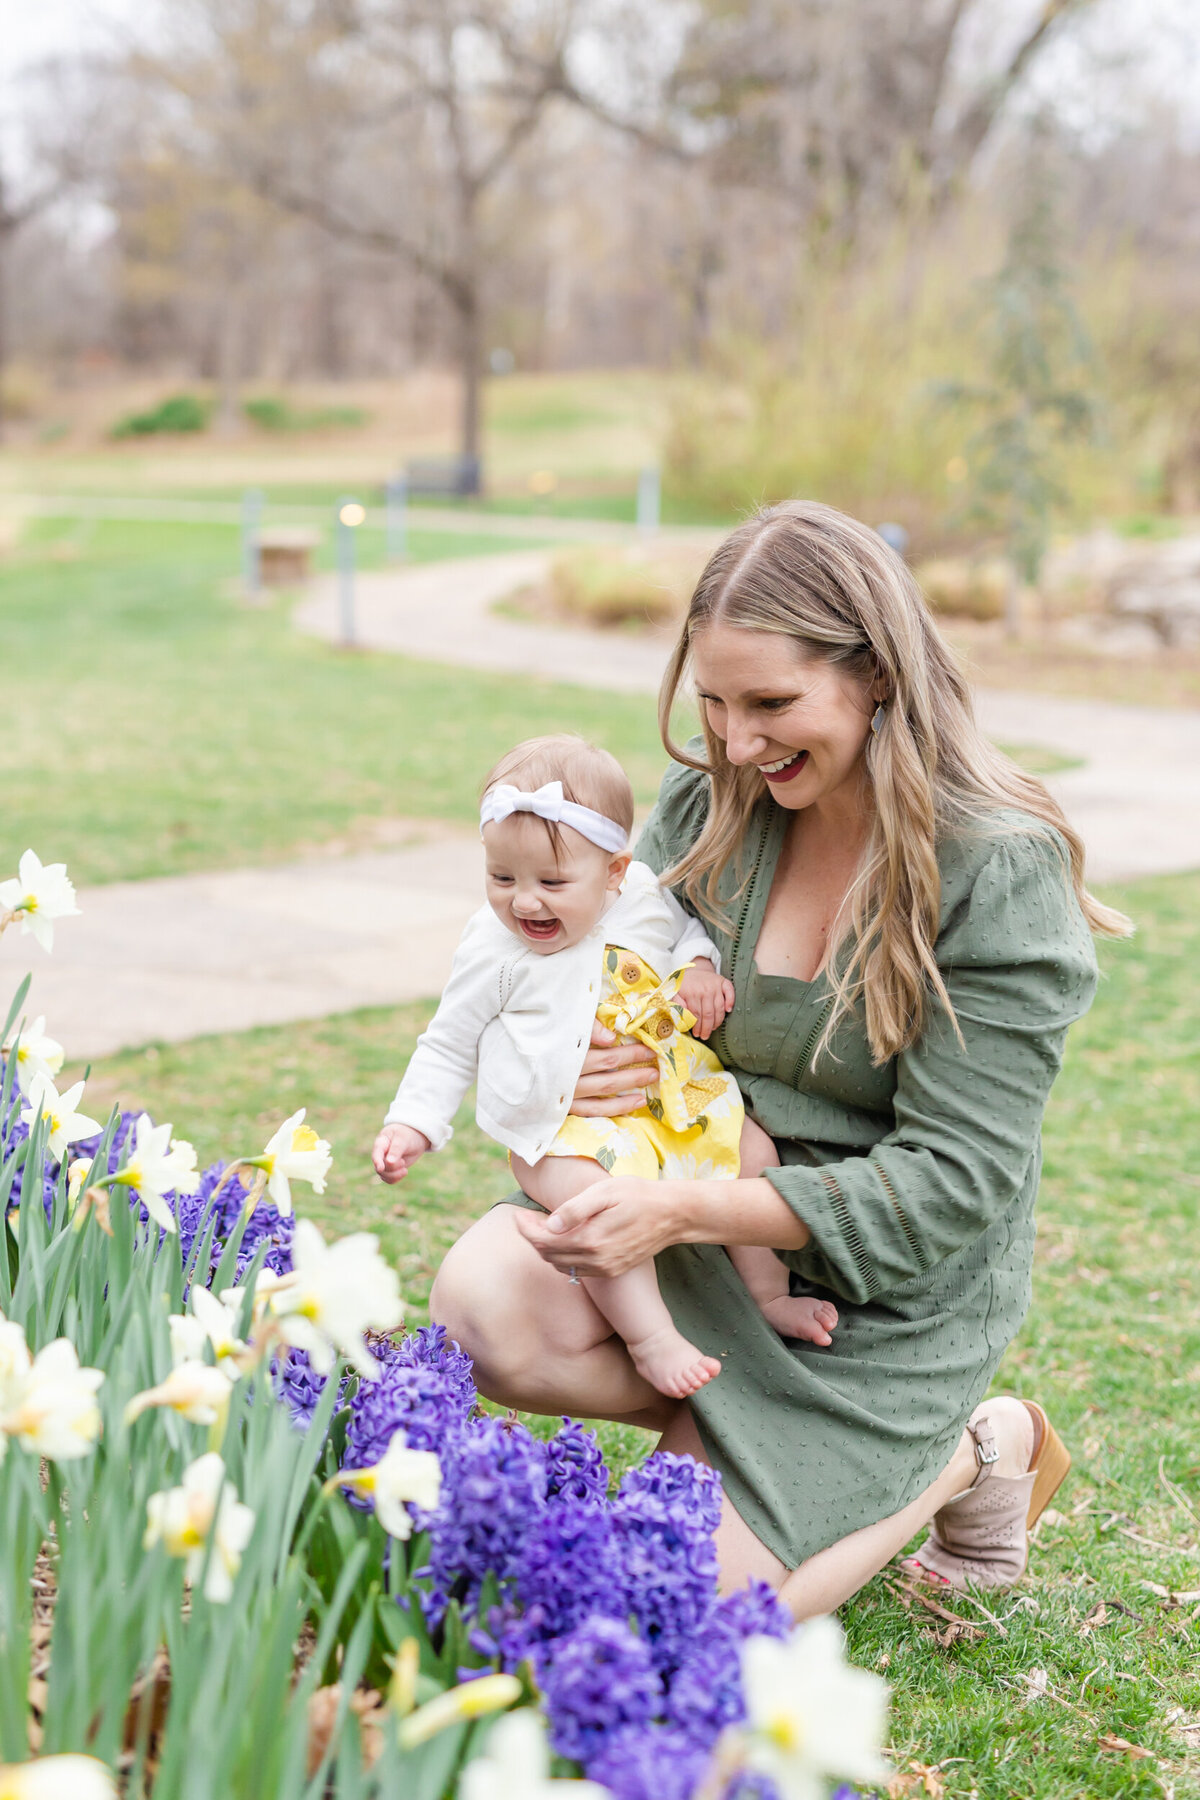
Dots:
{"x": 445, "y": 1061}
{"x": 1019, "y": 966}
{"x": 678, "y": 816}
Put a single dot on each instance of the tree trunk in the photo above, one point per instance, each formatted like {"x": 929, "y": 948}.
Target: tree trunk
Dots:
{"x": 229, "y": 361}
{"x": 470, "y": 350}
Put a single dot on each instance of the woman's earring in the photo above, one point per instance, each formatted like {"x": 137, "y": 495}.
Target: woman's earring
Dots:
{"x": 877, "y": 721}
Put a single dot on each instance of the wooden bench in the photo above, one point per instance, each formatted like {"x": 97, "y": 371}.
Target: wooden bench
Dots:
{"x": 285, "y": 554}
{"x": 448, "y": 477}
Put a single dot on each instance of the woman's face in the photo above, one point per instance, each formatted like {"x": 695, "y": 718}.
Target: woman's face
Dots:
{"x": 801, "y": 722}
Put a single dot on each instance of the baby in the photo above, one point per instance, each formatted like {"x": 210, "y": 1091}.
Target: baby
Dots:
{"x": 575, "y": 931}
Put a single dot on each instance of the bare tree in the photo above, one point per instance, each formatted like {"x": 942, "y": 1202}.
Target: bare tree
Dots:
{"x": 857, "y": 110}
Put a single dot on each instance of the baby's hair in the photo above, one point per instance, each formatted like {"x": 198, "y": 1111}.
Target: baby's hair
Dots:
{"x": 590, "y": 776}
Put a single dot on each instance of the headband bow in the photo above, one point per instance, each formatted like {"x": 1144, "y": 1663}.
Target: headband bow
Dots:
{"x": 501, "y": 801}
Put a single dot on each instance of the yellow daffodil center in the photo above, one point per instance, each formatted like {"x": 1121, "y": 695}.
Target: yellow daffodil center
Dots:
{"x": 304, "y": 1138}
{"x": 784, "y": 1732}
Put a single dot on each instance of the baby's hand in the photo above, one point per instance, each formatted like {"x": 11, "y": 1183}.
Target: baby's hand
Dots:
{"x": 706, "y": 994}
{"x": 396, "y": 1150}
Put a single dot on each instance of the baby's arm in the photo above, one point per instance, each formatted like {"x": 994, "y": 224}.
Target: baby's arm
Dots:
{"x": 705, "y": 992}
{"x": 707, "y": 996}
{"x": 445, "y": 1061}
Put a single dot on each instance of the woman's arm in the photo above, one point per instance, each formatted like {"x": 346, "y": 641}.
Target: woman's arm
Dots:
{"x": 614, "y": 1225}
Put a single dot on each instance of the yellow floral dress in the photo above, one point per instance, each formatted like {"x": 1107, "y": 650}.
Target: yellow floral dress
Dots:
{"x": 691, "y": 1124}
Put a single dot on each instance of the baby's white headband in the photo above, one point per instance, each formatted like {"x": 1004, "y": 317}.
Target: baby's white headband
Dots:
{"x": 547, "y": 803}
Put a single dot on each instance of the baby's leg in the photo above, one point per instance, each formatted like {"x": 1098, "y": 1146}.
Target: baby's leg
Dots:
{"x": 761, "y": 1270}
{"x": 631, "y": 1302}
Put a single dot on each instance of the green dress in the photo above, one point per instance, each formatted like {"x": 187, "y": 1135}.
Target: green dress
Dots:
{"x": 917, "y": 1181}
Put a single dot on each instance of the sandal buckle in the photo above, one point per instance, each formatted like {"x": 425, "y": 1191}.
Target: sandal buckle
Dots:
{"x": 987, "y": 1450}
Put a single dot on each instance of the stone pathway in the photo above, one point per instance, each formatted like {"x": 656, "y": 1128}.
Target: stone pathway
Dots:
{"x": 178, "y": 957}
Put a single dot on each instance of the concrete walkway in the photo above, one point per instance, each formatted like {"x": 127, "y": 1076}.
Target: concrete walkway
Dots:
{"x": 184, "y": 955}
{"x": 175, "y": 958}
{"x": 1136, "y": 799}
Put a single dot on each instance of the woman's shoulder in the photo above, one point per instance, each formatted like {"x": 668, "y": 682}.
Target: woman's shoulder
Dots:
{"x": 679, "y": 811}
{"x": 1008, "y": 891}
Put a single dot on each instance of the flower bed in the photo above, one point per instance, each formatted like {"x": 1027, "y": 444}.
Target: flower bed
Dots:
{"x": 258, "y": 1543}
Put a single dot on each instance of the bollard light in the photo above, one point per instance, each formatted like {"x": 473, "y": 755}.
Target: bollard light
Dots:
{"x": 350, "y": 516}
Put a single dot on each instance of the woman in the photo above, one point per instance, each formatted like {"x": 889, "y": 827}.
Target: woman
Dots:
{"x": 902, "y": 913}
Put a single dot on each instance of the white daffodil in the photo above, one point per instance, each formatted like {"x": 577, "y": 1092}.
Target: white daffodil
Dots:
{"x": 57, "y": 1778}
{"x": 183, "y": 1519}
{"x": 212, "y": 1320}
{"x": 195, "y": 1390}
{"x": 50, "y": 1406}
{"x": 158, "y": 1165}
{"x": 515, "y": 1765}
{"x": 333, "y": 1294}
{"x": 295, "y": 1153}
{"x": 811, "y": 1717}
{"x": 401, "y": 1474}
{"x": 36, "y": 1053}
{"x": 39, "y": 895}
{"x": 15, "y": 1363}
{"x": 66, "y": 1125}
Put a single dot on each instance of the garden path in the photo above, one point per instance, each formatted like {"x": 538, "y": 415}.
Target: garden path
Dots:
{"x": 180, "y": 956}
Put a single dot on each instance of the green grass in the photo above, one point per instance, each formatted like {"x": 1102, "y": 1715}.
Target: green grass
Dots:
{"x": 155, "y": 725}
{"x": 1112, "y": 1348}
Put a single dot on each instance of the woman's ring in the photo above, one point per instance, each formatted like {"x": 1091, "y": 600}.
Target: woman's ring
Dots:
{"x": 572, "y": 1276}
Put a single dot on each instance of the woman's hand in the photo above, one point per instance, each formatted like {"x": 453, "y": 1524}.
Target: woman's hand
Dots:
{"x": 611, "y": 1227}
{"x": 614, "y": 1077}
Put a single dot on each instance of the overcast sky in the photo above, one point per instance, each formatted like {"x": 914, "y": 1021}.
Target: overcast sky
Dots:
{"x": 1163, "y": 36}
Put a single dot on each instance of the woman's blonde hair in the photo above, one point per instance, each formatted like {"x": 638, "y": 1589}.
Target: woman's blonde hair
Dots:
{"x": 833, "y": 586}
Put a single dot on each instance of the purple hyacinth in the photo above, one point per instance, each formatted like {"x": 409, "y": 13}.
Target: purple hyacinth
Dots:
{"x": 664, "y": 1517}
{"x": 493, "y": 1488}
{"x": 567, "y": 1572}
{"x": 429, "y": 1348}
{"x": 706, "y": 1688}
{"x": 421, "y": 1402}
{"x": 575, "y": 1468}
{"x": 601, "y": 1679}
{"x": 299, "y": 1386}
{"x": 650, "y": 1763}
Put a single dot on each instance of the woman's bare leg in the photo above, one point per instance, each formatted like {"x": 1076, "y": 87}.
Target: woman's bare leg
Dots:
{"x": 829, "y": 1578}
{"x": 537, "y": 1341}
{"x": 631, "y": 1302}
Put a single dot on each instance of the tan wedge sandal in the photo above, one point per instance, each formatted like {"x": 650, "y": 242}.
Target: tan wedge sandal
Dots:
{"x": 981, "y": 1538}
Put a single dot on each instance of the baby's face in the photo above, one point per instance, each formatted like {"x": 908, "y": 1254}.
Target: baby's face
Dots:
{"x": 547, "y": 904}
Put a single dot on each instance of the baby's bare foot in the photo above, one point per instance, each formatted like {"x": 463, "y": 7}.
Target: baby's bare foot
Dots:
{"x": 669, "y": 1363}
{"x": 802, "y": 1317}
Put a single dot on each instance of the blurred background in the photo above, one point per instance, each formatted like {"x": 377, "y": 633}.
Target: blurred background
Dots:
{"x": 376, "y": 375}
{"x": 867, "y": 250}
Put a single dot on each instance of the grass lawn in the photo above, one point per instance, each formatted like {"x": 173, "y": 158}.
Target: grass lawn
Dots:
{"x": 155, "y": 725}
{"x": 1056, "y": 1689}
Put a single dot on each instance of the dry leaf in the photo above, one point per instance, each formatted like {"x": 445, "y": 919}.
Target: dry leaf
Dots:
{"x": 1036, "y": 1681}
{"x": 1122, "y": 1747}
{"x": 918, "y": 1778}
{"x": 365, "y": 1703}
{"x": 907, "y": 1592}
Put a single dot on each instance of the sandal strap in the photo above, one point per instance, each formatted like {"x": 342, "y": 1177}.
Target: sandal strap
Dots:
{"x": 987, "y": 1451}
